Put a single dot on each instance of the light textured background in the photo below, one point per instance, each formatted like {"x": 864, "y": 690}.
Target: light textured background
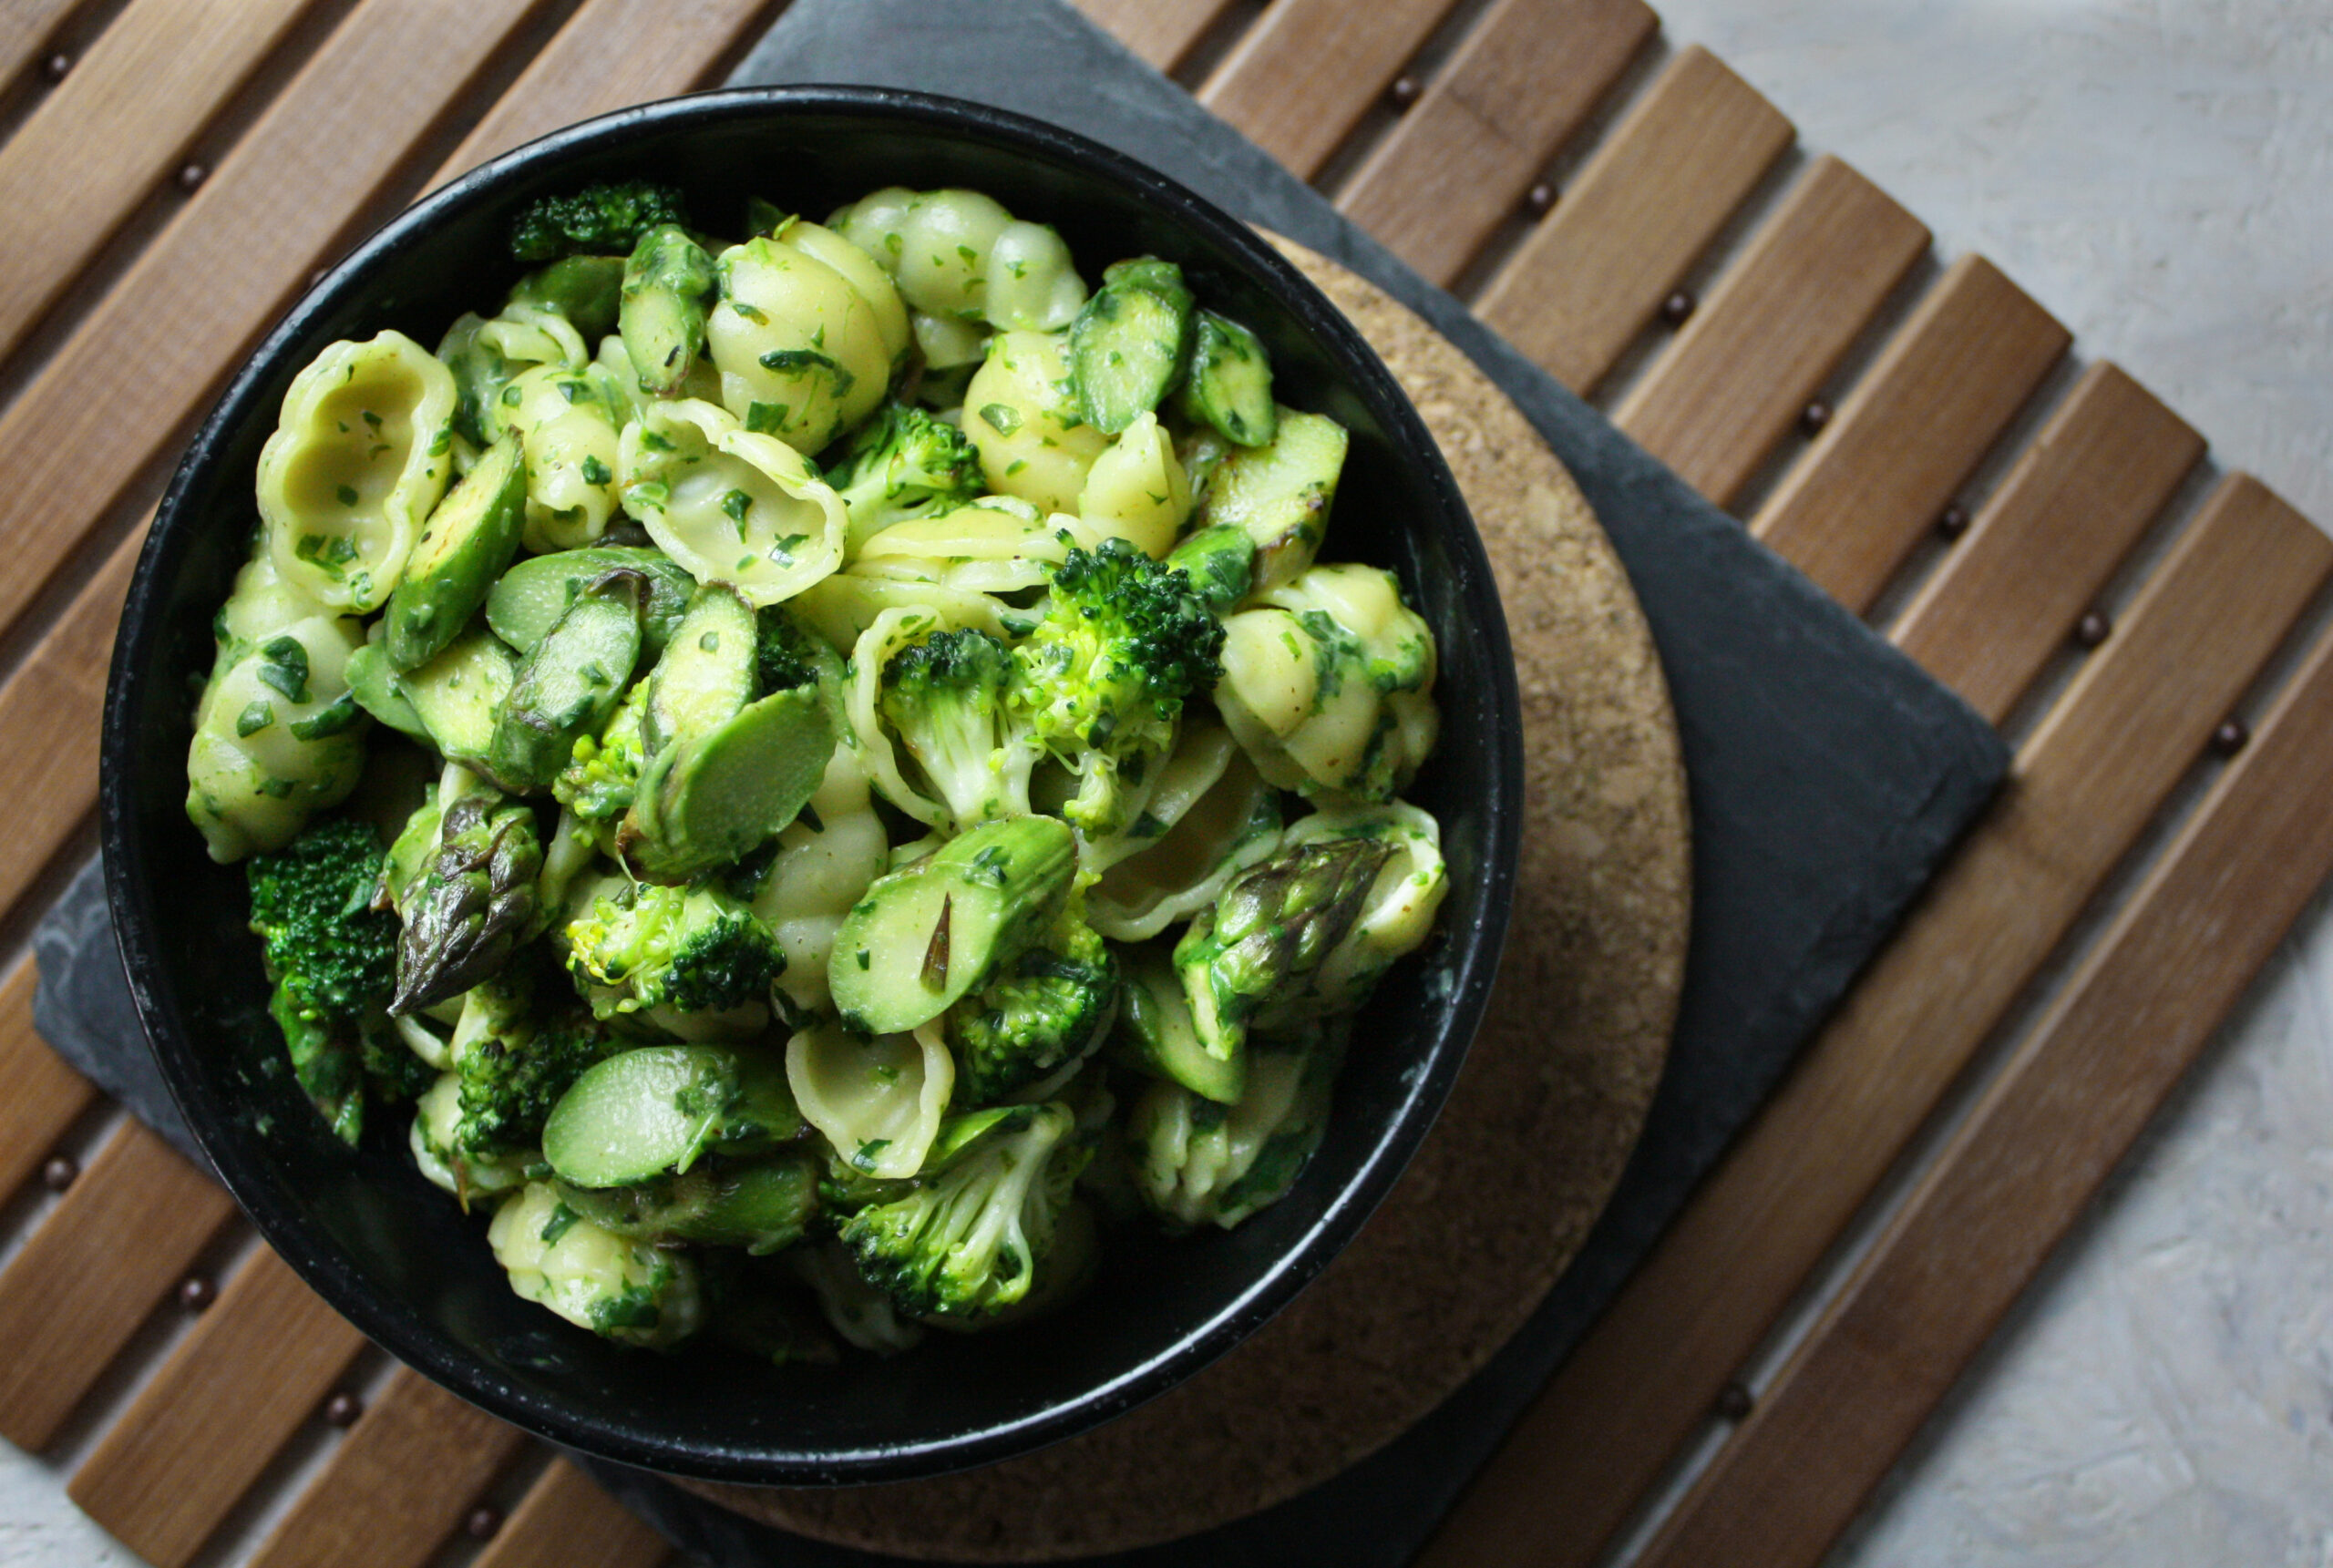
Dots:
{"x": 2158, "y": 173}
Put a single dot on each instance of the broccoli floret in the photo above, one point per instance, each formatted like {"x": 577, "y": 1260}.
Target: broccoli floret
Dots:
{"x": 965, "y": 1243}
{"x": 1102, "y": 677}
{"x": 787, "y": 653}
{"x": 945, "y": 698}
{"x": 598, "y": 220}
{"x": 1050, "y": 1005}
{"x": 599, "y": 782}
{"x": 903, "y": 463}
{"x": 333, "y": 957}
{"x": 514, "y": 1071}
{"x": 691, "y": 950}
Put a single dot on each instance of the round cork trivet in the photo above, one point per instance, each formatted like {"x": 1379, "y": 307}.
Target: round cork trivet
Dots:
{"x": 1536, "y": 1129}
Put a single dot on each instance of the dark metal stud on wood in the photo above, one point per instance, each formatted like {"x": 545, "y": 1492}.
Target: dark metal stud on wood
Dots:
{"x": 484, "y": 1523}
{"x": 56, "y": 67}
{"x": 1540, "y": 199}
{"x": 2230, "y": 738}
{"x": 343, "y": 1409}
{"x": 1406, "y": 90}
{"x": 2093, "y": 628}
{"x": 196, "y": 1292}
{"x": 1954, "y": 521}
{"x": 57, "y": 1172}
{"x": 1815, "y": 416}
{"x": 1678, "y": 308}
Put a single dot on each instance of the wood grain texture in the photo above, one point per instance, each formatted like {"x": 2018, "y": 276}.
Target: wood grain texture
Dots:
{"x": 1583, "y": 284}
{"x": 25, "y": 27}
{"x": 2084, "y": 786}
{"x": 397, "y": 1485}
{"x": 565, "y": 1521}
{"x": 2047, "y": 1131}
{"x": 231, "y": 1395}
{"x": 2065, "y": 518}
{"x": 95, "y": 147}
{"x": 43, "y": 1096}
{"x": 104, "y": 1258}
{"x": 113, "y": 396}
{"x": 1744, "y": 366}
{"x": 50, "y": 707}
{"x": 1161, "y": 31}
{"x": 611, "y": 54}
{"x": 1302, "y": 77}
{"x": 1916, "y": 424}
{"x": 1453, "y": 166}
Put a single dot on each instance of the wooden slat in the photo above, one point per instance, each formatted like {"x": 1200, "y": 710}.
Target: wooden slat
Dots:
{"x": 147, "y": 357}
{"x": 25, "y": 27}
{"x": 50, "y": 709}
{"x": 96, "y": 145}
{"x": 611, "y": 54}
{"x": 1583, "y": 284}
{"x": 1161, "y": 31}
{"x": 1456, "y": 165}
{"x": 567, "y": 1521}
{"x": 1916, "y": 424}
{"x": 2101, "y": 470}
{"x": 1744, "y": 366}
{"x": 43, "y": 1096}
{"x": 397, "y": 1485}
{"x": 239, "y": 1386}
{"x": 2085, "y": 785}
{"x": 1303, "y": 75}
{"x": 98, "y": 1264}
{"x": 2020, "y": 1171}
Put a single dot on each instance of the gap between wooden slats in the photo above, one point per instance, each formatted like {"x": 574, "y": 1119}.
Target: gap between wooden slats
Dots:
{"x": 195, "y": 1437}
{"x": 2046, "y": 1132}
{"x": 100, "y": 1262}
{"x": 1161, "y": 31}
{"x": 1456, "y": 165}
{"x": 397, "y": 1485}
{"x": 25, "y": 25}
{"x": 1916, "y": 425}
{"x": 567, "y": 1521}
{"x": 96, "y": 145}
{"x": 42, "y": 1096}
{"x": 1742, "y": 369}
{"x": 611, "y": 55}
{"x": 1583, "y": 284}
{"x": 2084, "y": 786}
{"x": 2111, "y": 457}
{"x": 1309, "y": 69}
{"x": 99, "y": 410}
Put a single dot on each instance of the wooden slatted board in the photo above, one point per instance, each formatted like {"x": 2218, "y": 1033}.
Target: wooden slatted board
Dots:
{"x": 310, "y": 119}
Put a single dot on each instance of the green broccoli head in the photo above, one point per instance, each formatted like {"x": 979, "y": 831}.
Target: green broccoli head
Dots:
{"x": 693, "y": 950}
{"x": 333, "y": 957}
{"x": 967, "y": 1240}
{"x": 787, "y": 654}
{"x": 945, "y": 698}
{"x": 903, "y": 463}
{"x": 599, "y": 782}
{"x": 1102, "y": 677}
{"x": 1050, "y": 1007}
{"x": 598, "y": 220}
{"x": 514, "y": 1070}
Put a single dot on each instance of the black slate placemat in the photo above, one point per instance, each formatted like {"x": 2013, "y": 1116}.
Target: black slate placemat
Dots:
{"x": 1829, "y": 775}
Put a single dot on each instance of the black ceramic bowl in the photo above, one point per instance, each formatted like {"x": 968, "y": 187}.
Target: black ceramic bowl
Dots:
{"x": 392, "y": 1252}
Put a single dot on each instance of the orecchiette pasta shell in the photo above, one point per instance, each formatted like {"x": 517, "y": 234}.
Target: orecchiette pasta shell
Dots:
{"x": 819, "y": 873}
{"x": 842, "y": 607}
{"x": 1032, "y": 283}
{"x": 1232, "y": 826}
{"x": 362, "y": 451}
{"x": 1029, "y": 440}
{"x": 1137, "y": 489}
{"x": 878, "y": 1102}
{"x": 729, "y": 504}
{"x": 567, "y": 422}
{"x": 865, "y": 274}
{"x": 800, "y": 351}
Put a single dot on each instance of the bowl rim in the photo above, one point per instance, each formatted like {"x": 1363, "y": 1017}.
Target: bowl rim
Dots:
{"x": 132, "y": 693}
